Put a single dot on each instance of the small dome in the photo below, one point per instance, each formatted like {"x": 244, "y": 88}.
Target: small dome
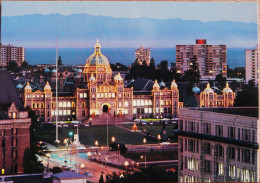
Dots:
{"x": 118, "y": 77}
{"x": 208, "y": 89}
{"x": 92, "y": 78}
{"x": 46, "y": 70}
{"x": 195, "y": 89}
{"x": 28, "y": 87}
{"x": 77, "y": 76}
{"x": 79, "y": 70}
{"x": 53, "y": 71}
{"x": 47, "y": 86}
{"x": 227, "y": 89}
{"x": 132, "y": 80}
{"x": 156, "y": 84}
{"x": 162, "y": 83}
{"x": 174, "y": 84}
{"x": 19, "y": 86}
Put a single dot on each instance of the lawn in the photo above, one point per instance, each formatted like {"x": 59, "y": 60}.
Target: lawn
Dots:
{"x": 153, "y": 156}
{"x": 154, "y": 130}
{"x": 88, "y": 136}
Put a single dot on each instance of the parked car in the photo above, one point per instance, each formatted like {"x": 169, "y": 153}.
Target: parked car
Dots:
{"x": 88, "y": 174}
{"x": 165, "y": 143}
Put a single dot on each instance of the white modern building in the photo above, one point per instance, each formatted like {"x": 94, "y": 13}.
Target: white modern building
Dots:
{"x": 251, "y": 65}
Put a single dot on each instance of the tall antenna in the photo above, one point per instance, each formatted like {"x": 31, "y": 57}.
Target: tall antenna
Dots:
{"x": 57, "y": 113}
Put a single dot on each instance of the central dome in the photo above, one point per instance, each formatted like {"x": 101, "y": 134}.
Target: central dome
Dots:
{"x": 97, "y": 58}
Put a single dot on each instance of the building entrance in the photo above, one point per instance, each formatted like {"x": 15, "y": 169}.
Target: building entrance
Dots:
{"x": 105, "y": 108}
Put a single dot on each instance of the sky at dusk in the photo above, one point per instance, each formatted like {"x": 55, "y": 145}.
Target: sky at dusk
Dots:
{"x": 203, "y": 11}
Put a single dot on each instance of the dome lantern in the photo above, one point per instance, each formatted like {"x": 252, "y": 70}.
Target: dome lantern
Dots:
{"x": 156, "y": 85}
{"x": 227, "y": 89}
{"x": 174, "y": 85}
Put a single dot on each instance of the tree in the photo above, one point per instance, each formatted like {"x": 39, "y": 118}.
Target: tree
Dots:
{"x": 221, "y": 81}
{"x": 30, "y": 162}
{"x": 192, "y": 75}
{"x": 144, "y": 62}
{"x": 122, "y": 147}
{"x": 163, "y": 66}
{"x": 152, "y": 63}
{"x": 12, "y": 66}
{"x": 24, "y": 65}
{"x": 59, "y": 61}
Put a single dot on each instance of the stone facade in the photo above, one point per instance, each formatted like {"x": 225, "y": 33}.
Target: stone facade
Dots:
{"x": 217, "y": 145}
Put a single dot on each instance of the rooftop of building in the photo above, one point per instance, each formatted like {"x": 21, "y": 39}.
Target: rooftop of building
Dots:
{"x": 242, "y": 111}
{"x": 28, "y": 178}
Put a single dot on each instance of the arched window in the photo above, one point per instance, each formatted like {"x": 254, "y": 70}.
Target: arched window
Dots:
{"x": 83, "y": 104}
{"x": 64, "y": 104}
{"x": 60, "y": 104}
{"x": 53, "y": 105}
{"x": 126, "y": 104}
{"x": 161, "y": 102}
{"x": 81, "y": 95}
{"x": 38, "y": 106}
{"x": 34, "y": 106}
{"x": 138, "y": 103}
{"x": 98, "y": 95}
{"x": 119, "y": 104}
{"x": 68, "y": 104}
{"x": 85, "y": 95}
{"x": 150, "y": 102}
{"x": 146, "y": 103}
{"x": 42, "y": 106}
{"x": 142, "y": 102}
{"x": 73, "y": 104}
{"x": 134, "y": 103}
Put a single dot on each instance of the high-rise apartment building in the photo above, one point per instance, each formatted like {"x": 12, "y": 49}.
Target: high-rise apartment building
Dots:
{"x": 11, "y": 53}
{"x": 251, "y": 65}
{"x": 218, "y": 145}
{"x": 143, "y": 55}
{"x": 211, "y": 59}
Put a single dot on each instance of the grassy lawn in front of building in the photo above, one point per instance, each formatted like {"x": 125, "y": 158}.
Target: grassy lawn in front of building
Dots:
{"x": 88, "y": 136}
{"x": 154, "y": 130}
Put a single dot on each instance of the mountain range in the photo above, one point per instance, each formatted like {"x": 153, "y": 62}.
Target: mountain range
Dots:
{"x": 82, "y": 30}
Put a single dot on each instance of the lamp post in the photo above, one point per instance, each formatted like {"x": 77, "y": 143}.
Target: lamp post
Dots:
{"x": 48, "y": 155}
{"x": 159, "y": 138}
{"x": 126, "y": 165}
{"x": 89, "y": 154}
{"x": 113, "y": 139}
{"x": 144, "y": 142}
{"x": 144, "y": 157}
{"x": 140, "y": 118}
{"x": 82, "y": 166}
{"x": 118, "y": 148}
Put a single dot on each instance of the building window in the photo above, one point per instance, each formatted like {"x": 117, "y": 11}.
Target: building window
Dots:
{"x": 64, "y": 104}
{"x": 126, "y": 111}
{"x": 68, "y": 104}
{"x": 207, "y": 166}
{"x": 191, "y": 145}
{"x": 219, "y": 151}
{"x": 83, "y": 104}
{"x": 60, "y": 104}
{"x": 119, "y": 104}
{"x": 85, "y": 95}
{"x": 126, "y": 104}
{"x": 81, "y": 95}
{"x": 220, "y": 169}
{"x": 73, "y": 104}
{"x": 83, "y": 113}
{"x": 231, "y": 132}
{"x": 207, "y": 148}
{"x": 232, "y": 171}
{"x": 219, "y": 130}
{"x": 231, "y": 152}
{"x": 246, "y": 155}
{"x": 134, "y": 102}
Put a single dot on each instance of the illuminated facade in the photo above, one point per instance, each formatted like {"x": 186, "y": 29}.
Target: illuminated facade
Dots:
{"x": 211, "y": 59}
{"x": 208, "y": 98}
{"x": 101, "y": 94}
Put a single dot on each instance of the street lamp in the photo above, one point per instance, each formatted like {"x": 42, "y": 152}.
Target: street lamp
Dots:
{"x": 159, "y": 137}
{"x": 126, "y": 165}
{"x": 96, "y": 143}
{"x": 118, "y": 148}
{"x": 89, "y": 154}
{"x": 48, "y": 155}
{"x": 140, "y": 118}
{"x": 113, "y": 139}
{"x": 144, "y": 141}
{"x": 82, "y": 166}
{"x": 144, "y": 157}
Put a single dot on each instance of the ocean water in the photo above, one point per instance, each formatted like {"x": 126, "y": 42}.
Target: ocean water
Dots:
{"x": 78, "y": 56}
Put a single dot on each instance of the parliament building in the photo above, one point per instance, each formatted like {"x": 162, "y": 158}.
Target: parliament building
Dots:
{"x": 98, "y": 91}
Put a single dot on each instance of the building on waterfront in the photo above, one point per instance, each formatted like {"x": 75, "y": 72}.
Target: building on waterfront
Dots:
{"x": 97, "y": 92}
{"x": 251, "y": 65}
{"x": 11, "y": 53}
{"x": 143, "y": 54}
{"x": 14, "y": 127}
{"x": 218, "y": 145}
{"x": 211, "y": 59}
